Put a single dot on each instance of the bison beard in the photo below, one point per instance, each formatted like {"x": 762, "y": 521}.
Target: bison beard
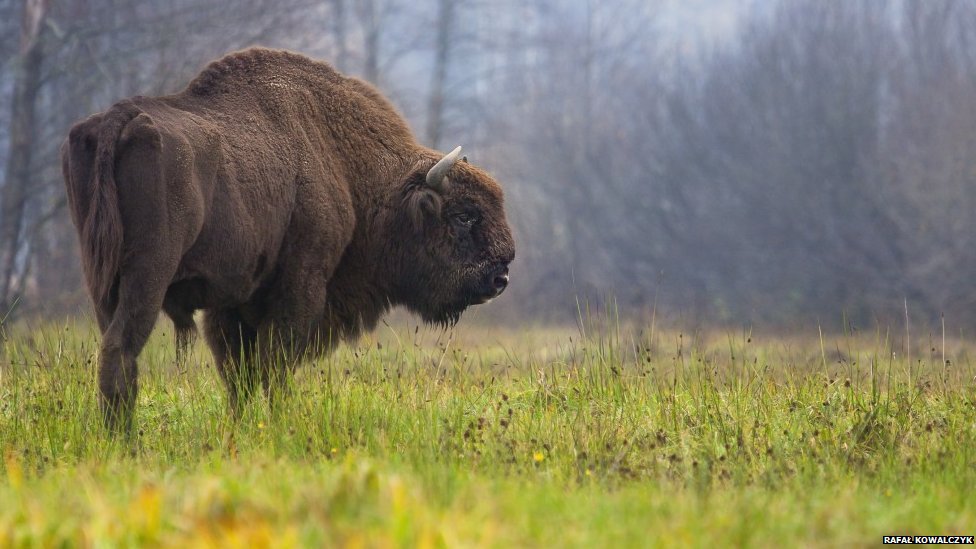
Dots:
{"x": 289, "y": 202}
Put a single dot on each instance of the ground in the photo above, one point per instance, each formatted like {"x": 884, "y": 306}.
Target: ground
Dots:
{"x": 608, "y": 436}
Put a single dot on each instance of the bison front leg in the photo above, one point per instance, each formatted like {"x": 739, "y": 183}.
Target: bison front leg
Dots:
{"x": 294, "y": 309}
{"x": 232, "y": 342}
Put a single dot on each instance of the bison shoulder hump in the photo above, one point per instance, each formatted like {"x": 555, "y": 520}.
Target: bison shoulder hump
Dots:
{"x": 240, "y": 66}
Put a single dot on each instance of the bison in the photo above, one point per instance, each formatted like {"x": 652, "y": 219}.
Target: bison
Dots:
{"x": 287, "y": 201}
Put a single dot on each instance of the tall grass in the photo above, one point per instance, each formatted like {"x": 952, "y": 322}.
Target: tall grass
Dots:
{"x": 481, "y": 436}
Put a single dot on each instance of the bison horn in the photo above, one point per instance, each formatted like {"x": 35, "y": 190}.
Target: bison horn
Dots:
{"x": 437, "y": 174}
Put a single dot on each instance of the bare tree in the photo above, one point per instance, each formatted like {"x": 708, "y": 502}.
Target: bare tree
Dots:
{"x": 23, "y": 130}
{"x": 371, "y": 18}
{"x": 339, "y": 31}
{"x": 442, "y": 58}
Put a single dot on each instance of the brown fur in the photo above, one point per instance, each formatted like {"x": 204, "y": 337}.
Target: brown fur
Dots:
{"x": 287, "y": 201}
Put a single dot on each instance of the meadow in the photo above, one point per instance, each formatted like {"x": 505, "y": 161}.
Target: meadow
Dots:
{"x": 609, "y": 434}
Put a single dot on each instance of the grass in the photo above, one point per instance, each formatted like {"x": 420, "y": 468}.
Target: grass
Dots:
{"x": 491, "y": 437}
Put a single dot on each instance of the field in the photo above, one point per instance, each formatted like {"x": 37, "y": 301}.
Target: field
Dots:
{"x": 611, "y": 435}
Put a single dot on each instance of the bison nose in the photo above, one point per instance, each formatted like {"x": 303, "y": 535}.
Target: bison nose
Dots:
{"x": 500, "y": 280}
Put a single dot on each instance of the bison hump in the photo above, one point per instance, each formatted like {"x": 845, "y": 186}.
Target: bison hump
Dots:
{"x": 245, "y": 68}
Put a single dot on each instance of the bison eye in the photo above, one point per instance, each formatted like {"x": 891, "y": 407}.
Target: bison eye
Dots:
{"x": 464, "y": 219}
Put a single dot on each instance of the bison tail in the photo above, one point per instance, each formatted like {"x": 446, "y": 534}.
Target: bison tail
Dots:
{"x": 101, "y": 226}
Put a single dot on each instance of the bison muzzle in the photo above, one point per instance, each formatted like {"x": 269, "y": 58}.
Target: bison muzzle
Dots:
{"x": 290, "y": 203}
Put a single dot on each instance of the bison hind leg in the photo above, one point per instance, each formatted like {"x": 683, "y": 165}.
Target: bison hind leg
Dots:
{"x": 124, "y": 338}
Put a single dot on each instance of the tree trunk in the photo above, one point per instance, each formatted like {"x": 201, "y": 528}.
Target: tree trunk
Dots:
{"x": 435, "y": 103}
{"x": 13, "y": 196}
{"x": 371, "y": 70}
{"x": 339, "y": 30}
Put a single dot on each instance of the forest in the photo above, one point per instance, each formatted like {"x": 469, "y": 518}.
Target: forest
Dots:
{"x": 809, "y": 162}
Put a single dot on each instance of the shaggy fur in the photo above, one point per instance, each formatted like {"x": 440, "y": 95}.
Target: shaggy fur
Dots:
{"x": 287, "y": 201}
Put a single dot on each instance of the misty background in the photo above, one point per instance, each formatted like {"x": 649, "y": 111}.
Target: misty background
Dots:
{"x": 726, "y": 161}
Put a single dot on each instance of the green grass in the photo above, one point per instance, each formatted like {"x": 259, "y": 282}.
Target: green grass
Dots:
{"x": 489, "y": 437}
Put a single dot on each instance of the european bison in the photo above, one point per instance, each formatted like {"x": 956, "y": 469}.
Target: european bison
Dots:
{"x": 289, "y": 202}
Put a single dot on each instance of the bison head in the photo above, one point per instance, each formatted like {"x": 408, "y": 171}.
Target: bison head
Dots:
{"x": 455, "y": 244}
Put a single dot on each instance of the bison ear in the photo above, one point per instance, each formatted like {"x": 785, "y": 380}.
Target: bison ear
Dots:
{"x": 421, "y": 203}
{"x": 437, "y": 176}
